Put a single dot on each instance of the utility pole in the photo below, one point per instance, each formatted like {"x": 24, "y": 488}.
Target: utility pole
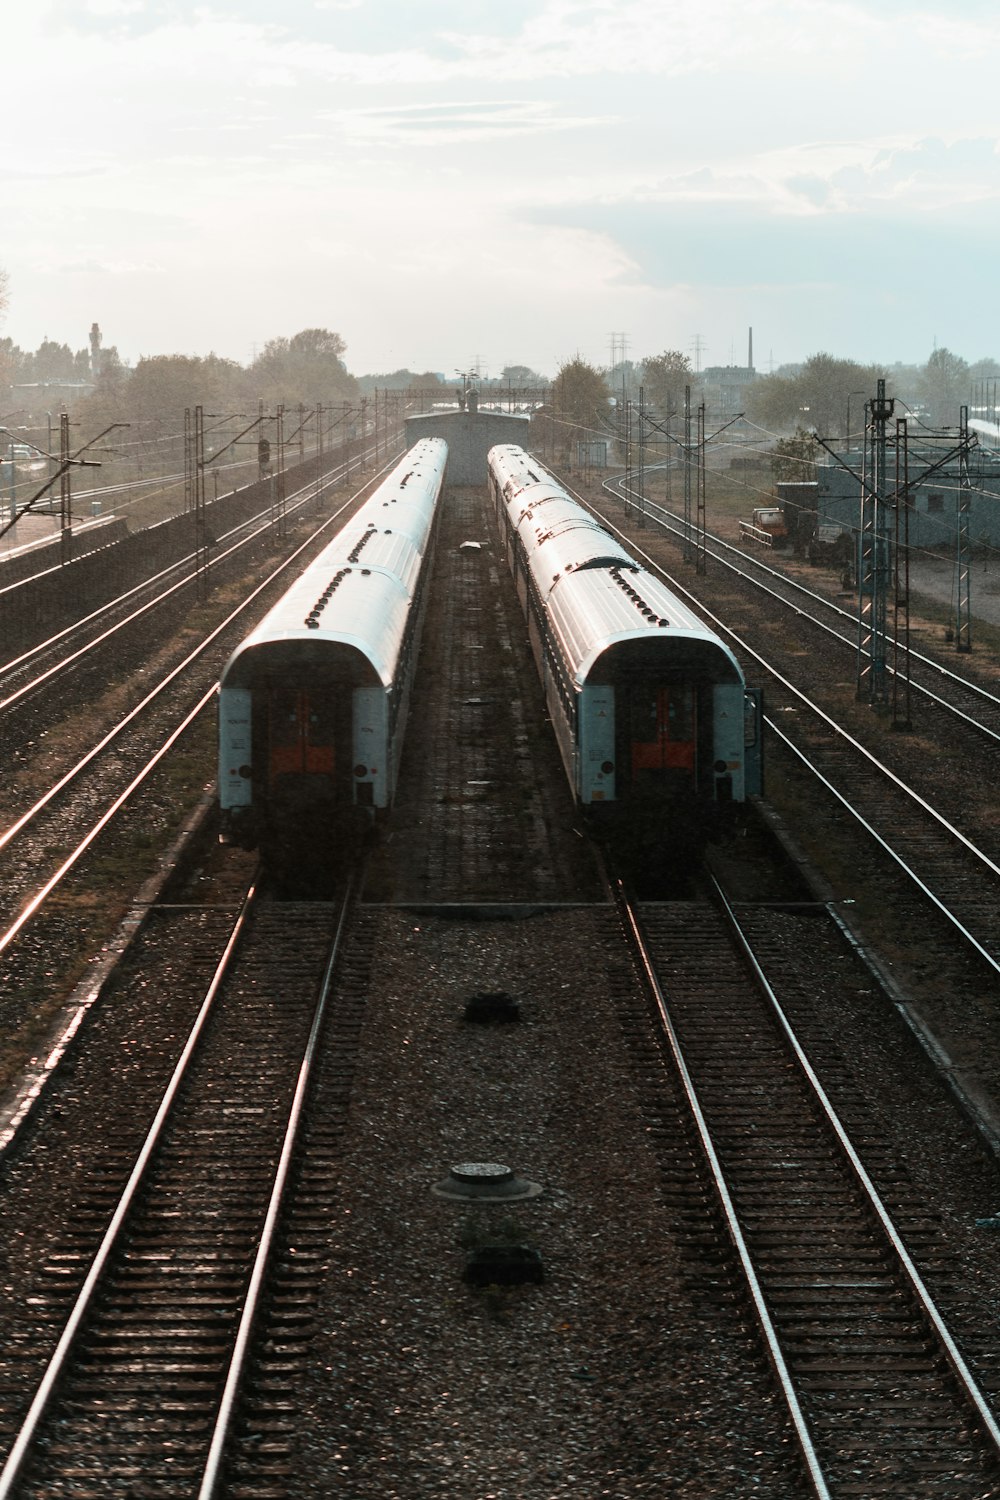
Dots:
{"x": 319, "y": 456}
{"x": 701, "y": 538}
{"x": 963, "y": 542}
{"x": 642, "y": 456}
{"x": 281, "y": 517}
{"x": 901, "y": 677}
{"x": 687, "y": 473}
{"x": 200, "y": 520}
{"x": 873, "y": 561}
{"x": 188, "y": 462}
{"x": 65, "y": 503}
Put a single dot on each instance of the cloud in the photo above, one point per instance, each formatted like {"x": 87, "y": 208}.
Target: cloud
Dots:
{"x": 98, "y": 267}
{"x": 547, "y": 164}
{"x": 460, "y": 121}
{"x": 911, "y": 179}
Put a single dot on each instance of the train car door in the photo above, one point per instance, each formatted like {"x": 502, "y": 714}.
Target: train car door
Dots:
{"x": 663, "y": 730}
{"x": 753, "y": 740}
{"x": 300, "y": 735}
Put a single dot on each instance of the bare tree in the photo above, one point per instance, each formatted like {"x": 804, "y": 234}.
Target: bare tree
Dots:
{"x": 944, "y": 385}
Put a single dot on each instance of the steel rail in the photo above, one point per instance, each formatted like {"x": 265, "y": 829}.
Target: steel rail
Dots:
{"x": 814, "y": 708}
{"x": 57, "y": 1363}
{"x": 73, "y": 858}
{"x": 948, "y": 828}
{"x": 137, "y": 614}
{"x": 772, "y": 1342}
{"x": 886, "y": 847}
{"x": 261, "y": 521}
{"x": 212, "y": 1473}
{"x": 917, "y": 1285}
{"x": 974, "y": 688}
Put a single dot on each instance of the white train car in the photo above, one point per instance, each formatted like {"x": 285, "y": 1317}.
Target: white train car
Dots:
{"x": 313, "y": 704}
{"x": 650, "y": 708}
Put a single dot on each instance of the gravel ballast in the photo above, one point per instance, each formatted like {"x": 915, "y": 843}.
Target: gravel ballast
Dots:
{"x": 600, "y": 1381}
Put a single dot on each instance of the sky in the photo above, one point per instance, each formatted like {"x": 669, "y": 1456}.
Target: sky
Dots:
{"x": 468, "y": 184}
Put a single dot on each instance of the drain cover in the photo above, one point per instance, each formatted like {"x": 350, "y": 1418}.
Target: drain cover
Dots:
{"x": 484, "y": 1182}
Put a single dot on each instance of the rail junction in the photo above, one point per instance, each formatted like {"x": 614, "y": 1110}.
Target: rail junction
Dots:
{"x": 790, "y": 1298}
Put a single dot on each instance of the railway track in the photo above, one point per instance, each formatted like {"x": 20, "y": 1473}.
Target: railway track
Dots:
{"x": 152, "y": 1294}
{"x": 934, "y": 685}
{"x": 476, "y": 820}
{"x": 878, "y": 1394}
{"x": 478, "y": 809}
{"x": 23, "y": 676}
{"x": 45, "y": 842}
{"x": 936, "y": 832}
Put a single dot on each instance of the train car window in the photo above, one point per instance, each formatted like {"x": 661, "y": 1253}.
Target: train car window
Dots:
{"x": 662, "y": 727}
{"x": 322, "y": 718}
{"x": 680, "y": 713}
{"x": 284, "y": 717}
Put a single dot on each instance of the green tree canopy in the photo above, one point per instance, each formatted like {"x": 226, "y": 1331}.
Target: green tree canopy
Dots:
{"x": 579, "y": 397}
{"x": 151, "y": 399}
{"x": 814, "y": 398}
{"x": 794, "y": 458}
{"x": 521, "y": 375}
{"x": 664, "y": 377}
{"x": 307, "y": 368}
{"x": 400, "y": 380}
{"x": 161, "y": 387}
{"x": 577, "y": 409}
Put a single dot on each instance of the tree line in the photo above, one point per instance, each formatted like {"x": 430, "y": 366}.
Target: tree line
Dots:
{"x": 823, "y": 395}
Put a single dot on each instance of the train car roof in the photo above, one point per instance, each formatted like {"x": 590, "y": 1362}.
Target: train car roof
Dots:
{"x": 358, "y": 628}
{"x": 514, "y": 468}
{"x": 533, "y": 494}
{"x": 606, "y": 617}
{"x": 566, "y": 540}
{"x": 607, "y": 612}
{"x": 427, "y": 457}
{"x": 378, "y": 537}
{"x": 349, "y": 607}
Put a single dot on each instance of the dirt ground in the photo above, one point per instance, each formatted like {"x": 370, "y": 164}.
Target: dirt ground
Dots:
{"x": 936, "y": 578}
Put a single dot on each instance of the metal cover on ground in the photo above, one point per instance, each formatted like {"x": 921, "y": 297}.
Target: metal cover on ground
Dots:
{"x": 485, "y": 1182}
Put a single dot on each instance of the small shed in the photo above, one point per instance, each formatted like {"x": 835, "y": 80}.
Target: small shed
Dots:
{"x": 470, "y": 434}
